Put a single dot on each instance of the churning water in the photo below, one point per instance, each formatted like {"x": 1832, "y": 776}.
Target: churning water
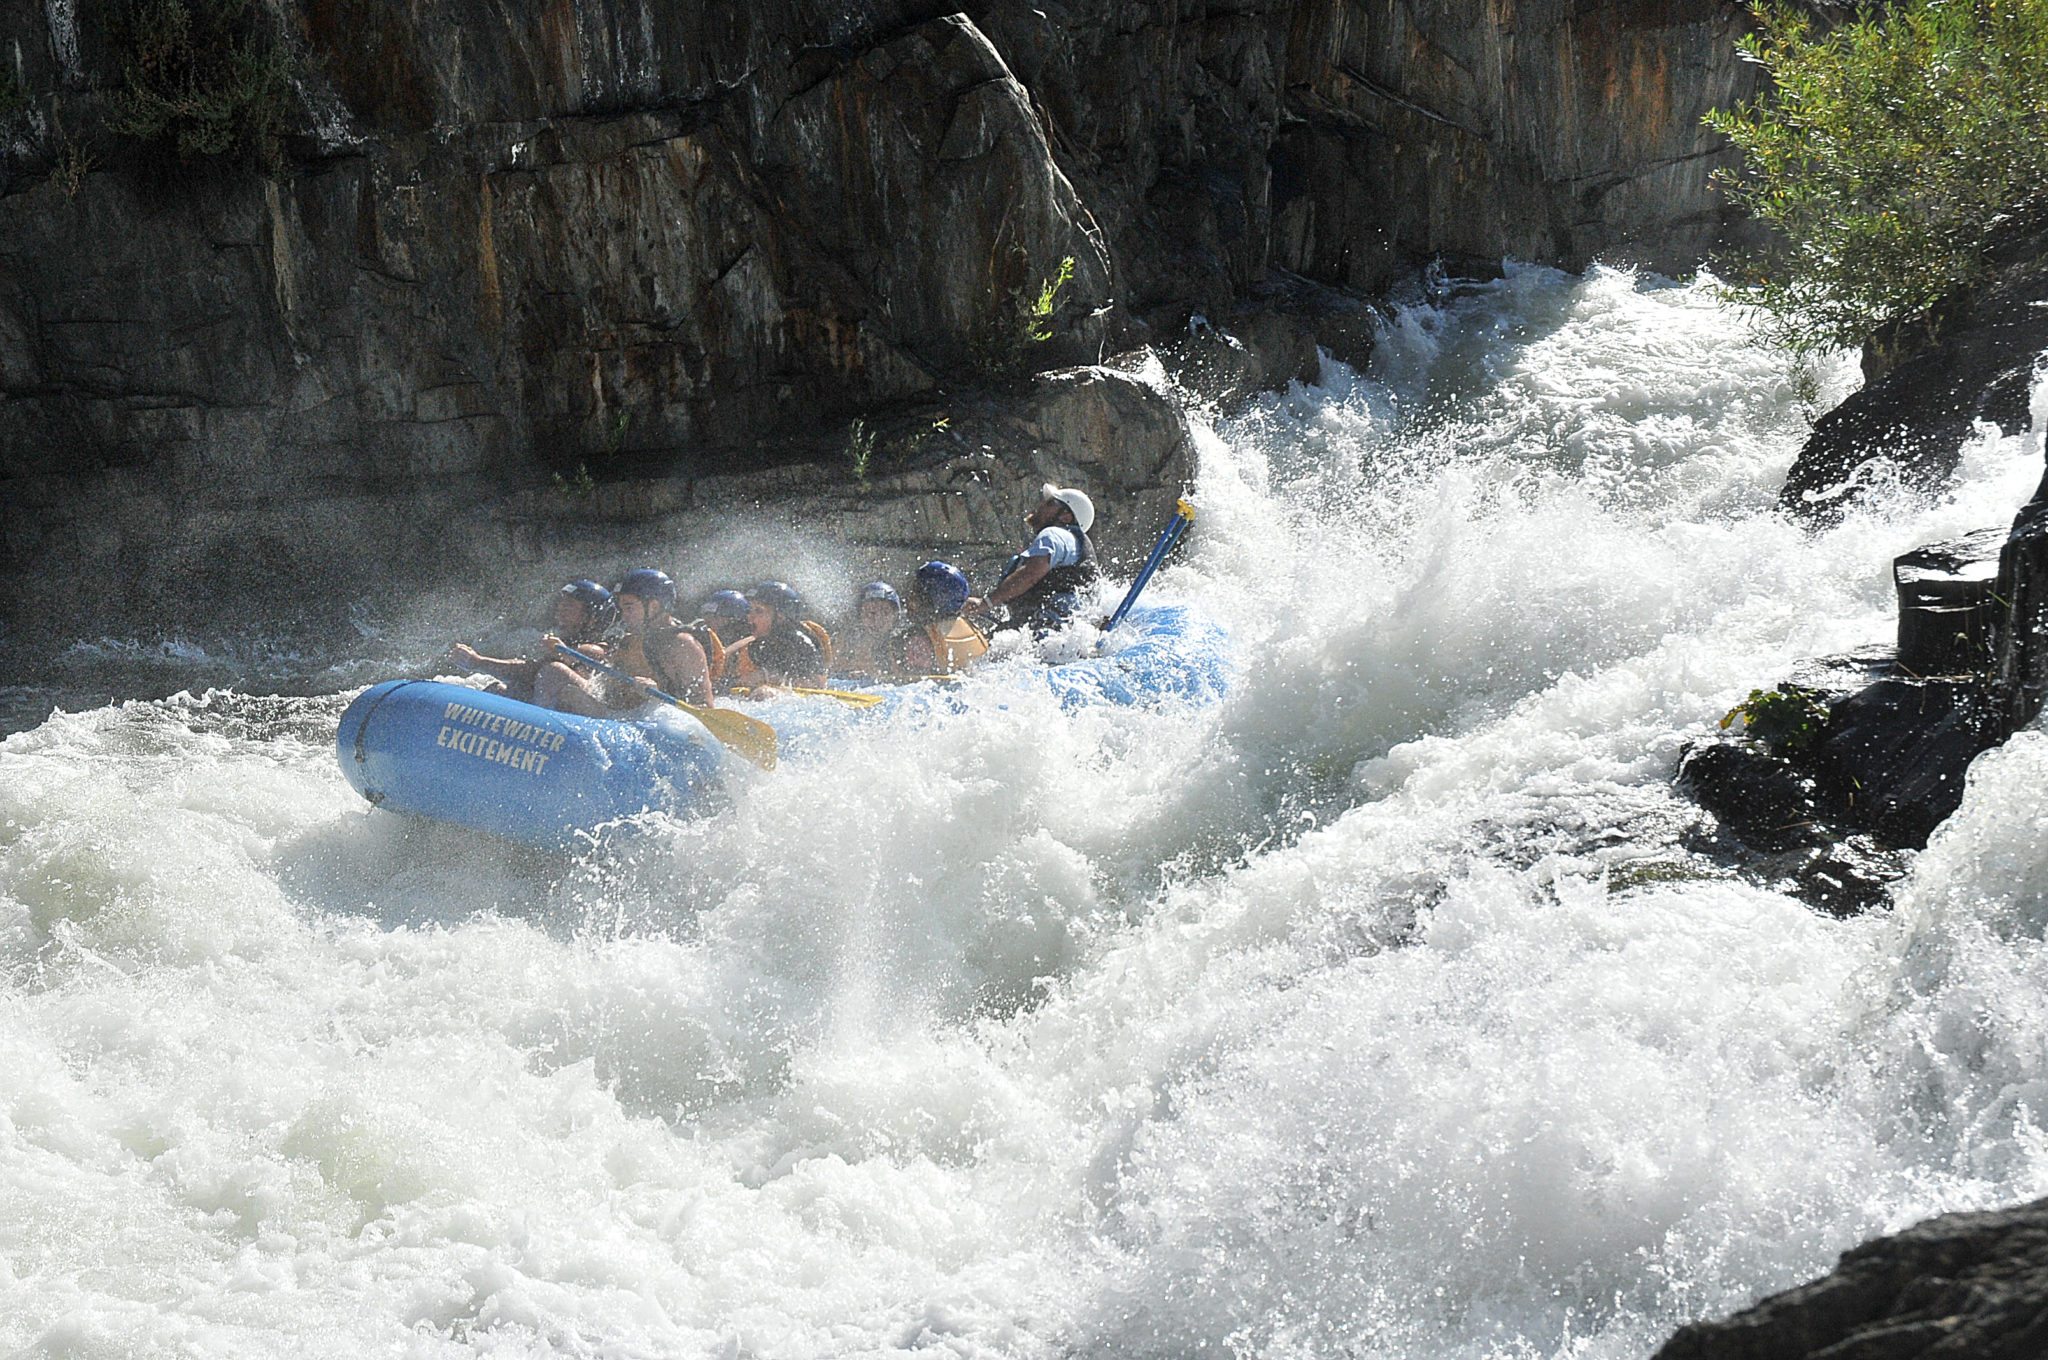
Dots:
{"x": 1382, "y": 1011}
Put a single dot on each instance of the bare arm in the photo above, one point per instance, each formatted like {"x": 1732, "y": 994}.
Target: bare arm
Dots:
{"x": 470, "y": 659}
{"x": 918, "y": 657}
{"x": 1027, "y": 574}
{"x": 683, "y": 657}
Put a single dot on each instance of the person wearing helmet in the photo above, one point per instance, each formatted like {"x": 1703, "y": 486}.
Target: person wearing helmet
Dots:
{"x": 874, "y": 651}
{"x": 1042, "y": 586}
{"x": 657, "y": 651}
{"x": 726, "y": 613}
{"x": 781, "y": 650}
{"x": 943, "y": 643}
{"x": 582, "y": 611}
{"x": 721, "y": 622}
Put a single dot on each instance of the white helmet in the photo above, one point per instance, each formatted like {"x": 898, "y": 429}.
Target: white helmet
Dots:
{"x": 1076, "y": 501}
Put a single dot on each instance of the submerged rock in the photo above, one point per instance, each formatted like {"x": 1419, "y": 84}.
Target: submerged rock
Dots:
{"x": 1958, "y": 1287}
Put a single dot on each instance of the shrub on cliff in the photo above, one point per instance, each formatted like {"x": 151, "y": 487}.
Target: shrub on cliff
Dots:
{"x": 199, "y": 78}
{"x": 1019, "y": 323}
{"x": 1889, "y": 152}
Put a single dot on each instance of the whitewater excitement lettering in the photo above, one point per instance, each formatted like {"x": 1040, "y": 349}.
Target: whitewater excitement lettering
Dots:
{"x": 527, "y": 749}
{"x": 498, "y": 723}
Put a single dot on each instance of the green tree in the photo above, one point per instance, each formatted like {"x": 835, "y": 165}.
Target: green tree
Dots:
{"x": 1889, "y": 152}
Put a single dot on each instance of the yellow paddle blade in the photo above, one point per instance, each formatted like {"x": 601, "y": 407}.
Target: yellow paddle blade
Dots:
{"x": 844, "y": 696}
{"x": 742, "y": 732}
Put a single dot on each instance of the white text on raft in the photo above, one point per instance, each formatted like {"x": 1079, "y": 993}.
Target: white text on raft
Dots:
{"x": 530, "y": 755}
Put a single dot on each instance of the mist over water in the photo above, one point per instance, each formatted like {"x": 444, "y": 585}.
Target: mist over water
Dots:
{"x": 1384, "y": 1010}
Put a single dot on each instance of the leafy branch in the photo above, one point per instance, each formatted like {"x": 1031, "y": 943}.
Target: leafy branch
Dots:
{"x": 1888, "y": 152}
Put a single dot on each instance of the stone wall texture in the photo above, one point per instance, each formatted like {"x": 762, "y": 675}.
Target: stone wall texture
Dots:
{"x": 677, "y": 240}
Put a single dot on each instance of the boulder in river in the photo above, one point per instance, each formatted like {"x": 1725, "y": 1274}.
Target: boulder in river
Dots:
{"x": 1915, "y": 415}
{"x": 1959, "y": 1287}
{"x": 1947, "y": 603}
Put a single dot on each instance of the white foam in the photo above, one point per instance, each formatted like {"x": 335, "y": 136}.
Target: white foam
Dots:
{"x": 1320, "y": 1022}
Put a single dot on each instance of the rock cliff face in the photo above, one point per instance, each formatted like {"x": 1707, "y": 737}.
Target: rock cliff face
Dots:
{"x": 684, "y": 240}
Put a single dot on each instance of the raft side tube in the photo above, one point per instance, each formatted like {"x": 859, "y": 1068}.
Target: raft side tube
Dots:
{"x": 495, "y": 764}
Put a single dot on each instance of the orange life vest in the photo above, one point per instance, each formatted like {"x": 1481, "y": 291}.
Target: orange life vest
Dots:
{"x": 714, "y": 650}
{"x": 954, "y": 644}
{"x": 822, "y": 638}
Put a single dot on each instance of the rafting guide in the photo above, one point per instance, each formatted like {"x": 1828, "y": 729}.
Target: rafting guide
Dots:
{"x": 1042, "y": 586}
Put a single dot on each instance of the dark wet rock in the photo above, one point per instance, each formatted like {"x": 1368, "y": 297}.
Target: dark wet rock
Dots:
{"x": 1916, "y": 417}
{"x": 1226, "y": 360}
{"x": 1894, "y": 755}
{"x": 1849, "y": 876}
{"x": 1959, "y": 1287}
{"x": 2019, "y": 669}
{"x": 1947, "y": 611}
{"x": 1890, "y": 761}
{"x": 1841, "y": 674}
{"x": 1762, "y": 800}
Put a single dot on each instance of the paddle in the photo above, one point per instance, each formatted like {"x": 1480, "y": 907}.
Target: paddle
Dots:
{"x": 844, "y": 696}
{"x": 1183, "y": 516}
{"x": 747, "y": 735}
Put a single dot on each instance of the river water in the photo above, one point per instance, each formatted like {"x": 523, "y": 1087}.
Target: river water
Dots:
{"x": 1389, "y": 1009}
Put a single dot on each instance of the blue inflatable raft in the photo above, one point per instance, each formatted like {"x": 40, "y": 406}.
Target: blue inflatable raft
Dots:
{"x": 456, "y": 754}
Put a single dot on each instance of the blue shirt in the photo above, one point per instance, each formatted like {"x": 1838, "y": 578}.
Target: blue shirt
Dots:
{"x": 1058, "y": 543}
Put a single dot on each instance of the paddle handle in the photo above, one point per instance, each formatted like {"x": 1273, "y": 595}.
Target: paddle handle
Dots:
{"x": 571, "y": 654}
{"x": 1183, "y": 516}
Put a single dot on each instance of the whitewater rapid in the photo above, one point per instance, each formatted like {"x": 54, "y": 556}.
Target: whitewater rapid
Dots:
{"x": 1387, "y": 1010}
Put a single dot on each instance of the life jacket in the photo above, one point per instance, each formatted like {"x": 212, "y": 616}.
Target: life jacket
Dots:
{"x": 1041, "y": 599}
{"x": 871, "y": 658}
{"x": 954, "y": 644}
{"x": 781, "y": 656}
{"x": 822, "y": 638}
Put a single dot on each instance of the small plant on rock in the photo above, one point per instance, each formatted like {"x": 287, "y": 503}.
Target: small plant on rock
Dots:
{"x": 1021, "y": 322}
{"x": 860, "y": 449}
{"x": 580, "y": 487}
{"x": 1034, "y": 315}
{"x": 199, "y": 78}
{"x": 74, "y": 163}
{"x": 1787, "y": 722}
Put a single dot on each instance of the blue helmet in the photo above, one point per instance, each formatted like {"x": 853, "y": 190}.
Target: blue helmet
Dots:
{"x": 881, "y": 590}
{"x": 599, "y": 606}
{"x": 648, "y": 584}
{"x": 726, "y": 604}
{"x": 945, "y": 587}
{"x": 778, "y": 596}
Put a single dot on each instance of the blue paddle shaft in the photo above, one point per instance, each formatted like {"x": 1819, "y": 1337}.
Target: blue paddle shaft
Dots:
{"x": 1174, "y": 529}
